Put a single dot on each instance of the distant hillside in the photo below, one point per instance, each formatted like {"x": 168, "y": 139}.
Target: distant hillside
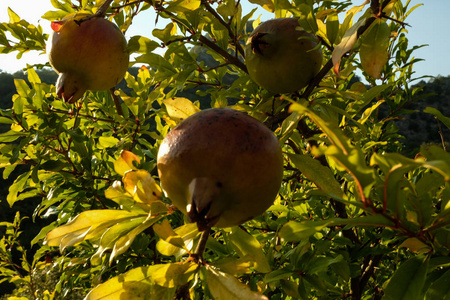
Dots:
{"x": 416, "y": 126}
{"x": 419, "y": 127}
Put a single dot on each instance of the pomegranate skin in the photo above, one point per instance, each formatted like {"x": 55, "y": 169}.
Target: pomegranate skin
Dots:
{"x": 88, "y": 53}
{"x": 221, "y": 167}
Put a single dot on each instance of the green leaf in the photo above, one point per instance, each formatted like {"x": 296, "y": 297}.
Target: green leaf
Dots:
{"x": 408, "y": 281}
{"x": 182, "y": 6}
{"x": 277, "y": 275}
{"x": 297, "y": 231}
{"x": 319, "y": 174}
{"x": 332, "y": 26}
{"x": 266, "y": 4}
{"x": 105, "y": 142}
{"x": 245, "y": 244}
{"x": 21, "y": 87}
{"x": 439, "y": 115}
{"x": 5, "y": 120}
{"x": 374, "y": 48}
{"x": 227, "y": 287}
{"x": 141, "y": 44}
{"x": 307, "y": 20}
{"x": 440, "y": 288}
{"x": 11, "y": 136}
{"x": 17, "y": 187}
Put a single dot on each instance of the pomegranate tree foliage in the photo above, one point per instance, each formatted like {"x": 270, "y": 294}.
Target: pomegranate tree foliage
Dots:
{"x": 355, "y": 218}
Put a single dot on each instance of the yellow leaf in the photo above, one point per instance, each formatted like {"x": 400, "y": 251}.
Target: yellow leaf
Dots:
{"x": 374, "y": 48}
{"x": 125, "y": 162}
{"x": 142, "y": 186}
{"x": 135, "y": 284}
{"x": 266, "y": 4}
{"x": 124, "y": 242}
{"x": 87, "y": 225}
{"x": 415, "y": 245}
{"x": 235, "y": 266}
{"x": 180, "y": 108}
{"x": 224, "y": 286}
{"x": 350, "y": 36}
{"x": 164, "y": 230}
{"x": 247, "y": 245}
{"x": 187, "y": 232}
{"x": 175, "y": 274}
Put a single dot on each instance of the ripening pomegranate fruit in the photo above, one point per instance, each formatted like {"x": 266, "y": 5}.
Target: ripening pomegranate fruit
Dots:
{"x": 281, "y": 57}
{"x": 221, "y": 167}
{"x": 88, "y": 54}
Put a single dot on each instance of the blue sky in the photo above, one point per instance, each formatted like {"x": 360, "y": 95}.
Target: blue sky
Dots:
{"x": 430, "y": 25}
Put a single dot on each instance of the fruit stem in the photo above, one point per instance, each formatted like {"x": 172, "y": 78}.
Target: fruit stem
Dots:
{"x": 101, "y": 12}
{"x": 116, "y": 101}
{"x": 198, "y": 253}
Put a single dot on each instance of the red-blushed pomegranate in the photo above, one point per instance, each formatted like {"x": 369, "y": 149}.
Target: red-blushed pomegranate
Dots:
{"x": 88, "y": 54}
{"x": 221, "y": 167}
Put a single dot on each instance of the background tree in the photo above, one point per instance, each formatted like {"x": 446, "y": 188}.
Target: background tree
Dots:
{"x": 354, "y": 217}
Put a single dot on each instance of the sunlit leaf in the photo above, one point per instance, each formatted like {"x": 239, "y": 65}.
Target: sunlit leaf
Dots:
{"x": 296, "y": 231}
{"x": 175, "y": 274}
{"x": 180, "y": 108}
{"x": 266, "y": 4}
{"x": 235, "y": 266}
{"x": 164, "y": 230}
{"x": 332, "y": 26}
{"x": 374, "y": 48}
{"x": 349, "y": 39}
{"x": 17, "y": 187}
{"x": 227, "y": 287}
{"x": 124, "y": 242}
{"x": 11, "y": 136}
{"x": 141, "y": 185}
{"x": 187, "y": 232}
{"x": 247, "y": 245}
{"x": 134, "y": 284}
{"x": 87, "y": 225}
{"x": 13, "y": 17}
{"x": 415, "y": 245}
{"x": 107, "y": 142}
{"x": 126, "y": 162}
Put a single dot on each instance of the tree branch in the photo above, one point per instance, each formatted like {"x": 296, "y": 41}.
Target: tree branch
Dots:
{"x": 227, "y": 56}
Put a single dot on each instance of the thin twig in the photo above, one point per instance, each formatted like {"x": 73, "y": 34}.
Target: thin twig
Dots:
{"x": 116, "y": 100}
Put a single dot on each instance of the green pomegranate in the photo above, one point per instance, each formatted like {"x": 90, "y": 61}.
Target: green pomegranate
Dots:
{"x": 88, "y": 54}
{"x": 221, "y": 167}
{"x": 281, "y": 57}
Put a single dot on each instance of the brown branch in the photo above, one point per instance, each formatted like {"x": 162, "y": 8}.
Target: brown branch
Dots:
{"x": 367, "y": 270}
{"x": 227, "y": 56}
{"x": 226, "y": 25}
